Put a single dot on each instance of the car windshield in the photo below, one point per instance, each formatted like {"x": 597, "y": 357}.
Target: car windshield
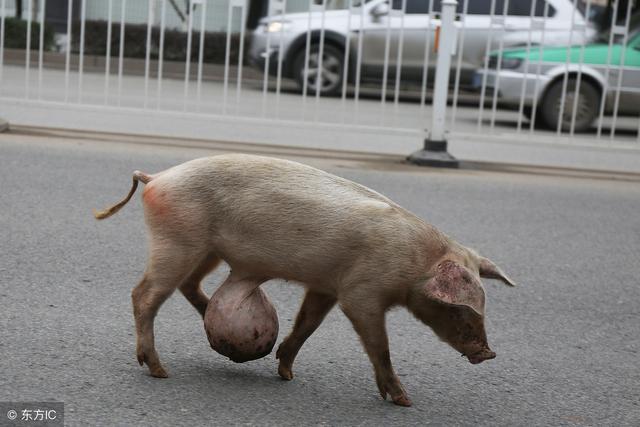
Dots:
{"x": 634, "y": 28}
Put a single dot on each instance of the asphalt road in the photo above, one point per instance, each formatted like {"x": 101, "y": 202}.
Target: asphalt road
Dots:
{"x": 567, "y": 338}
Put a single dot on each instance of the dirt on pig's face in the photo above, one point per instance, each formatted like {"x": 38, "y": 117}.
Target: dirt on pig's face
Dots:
{"x": 451, "y": 302}
{"x": 463, "y": 329}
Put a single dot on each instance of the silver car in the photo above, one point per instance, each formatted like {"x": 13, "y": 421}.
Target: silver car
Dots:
{"x": 382, "y": 23}
{"x": 594, "y": 78}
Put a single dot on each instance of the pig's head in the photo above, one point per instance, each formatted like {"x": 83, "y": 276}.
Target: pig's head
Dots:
{"x": 451, "y": 302}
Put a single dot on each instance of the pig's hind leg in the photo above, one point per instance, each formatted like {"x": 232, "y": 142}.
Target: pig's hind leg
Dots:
{"x": 191, "y": 287}
{"x": 170, "y": 266}
{"x": 315, "y": 307}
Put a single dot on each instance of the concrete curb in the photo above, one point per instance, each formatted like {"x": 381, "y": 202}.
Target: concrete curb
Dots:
{"x": 376, "y": 161}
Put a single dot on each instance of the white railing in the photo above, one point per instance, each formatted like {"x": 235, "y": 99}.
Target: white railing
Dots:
{"x": 377, "y": 59}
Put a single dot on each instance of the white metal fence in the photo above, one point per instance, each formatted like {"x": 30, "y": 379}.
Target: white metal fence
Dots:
{"x": 543, "y": 70}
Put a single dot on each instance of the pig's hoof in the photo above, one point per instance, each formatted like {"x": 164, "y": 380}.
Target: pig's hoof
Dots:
{"x": 284, "y": 368}
{"x": 396, "y": 392}
{"x": 285, "y": 372}
{"x": 158, "y": 372}
{"x": 155, "y": 369}
{"x": 402, "y": 400}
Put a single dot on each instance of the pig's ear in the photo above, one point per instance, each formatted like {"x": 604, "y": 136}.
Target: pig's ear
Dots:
{"x": 489, "y": 270}
{"x": 454, "y": 285}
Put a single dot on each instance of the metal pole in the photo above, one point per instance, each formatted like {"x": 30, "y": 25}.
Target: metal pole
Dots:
{"x": 435, "y": 151}
{"x": 83, "y": 15}
{"x": 107, "y": 57}
{"x": 151, "y": 5}
{"x": 2, "y": 13}
{"x": 43, "y": 7}
{"x": 27, "y": 61}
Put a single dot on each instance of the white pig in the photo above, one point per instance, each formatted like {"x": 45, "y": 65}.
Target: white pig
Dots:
{"x": 347, "y": 244}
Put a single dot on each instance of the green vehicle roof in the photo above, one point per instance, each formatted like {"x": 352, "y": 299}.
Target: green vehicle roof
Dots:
{"x": 595, "y": 54}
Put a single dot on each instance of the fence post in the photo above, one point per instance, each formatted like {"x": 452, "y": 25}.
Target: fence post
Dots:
{"x": 435, "y": 151}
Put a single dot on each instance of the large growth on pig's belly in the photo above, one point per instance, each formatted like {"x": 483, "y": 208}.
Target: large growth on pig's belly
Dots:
{"x": 242, "y": 328}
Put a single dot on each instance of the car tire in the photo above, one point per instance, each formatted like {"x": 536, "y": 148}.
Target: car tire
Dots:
{"x": 332, "y": 69}
{"x": 527, "y": 112}
{"x": 588, "y": 105}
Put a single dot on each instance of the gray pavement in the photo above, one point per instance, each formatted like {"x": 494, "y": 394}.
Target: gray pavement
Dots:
{"x": 567, "y": 338}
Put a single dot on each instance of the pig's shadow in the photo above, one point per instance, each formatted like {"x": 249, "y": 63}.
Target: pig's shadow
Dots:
{"x": 260, "y": 378}
{"x": 222, "y": 371}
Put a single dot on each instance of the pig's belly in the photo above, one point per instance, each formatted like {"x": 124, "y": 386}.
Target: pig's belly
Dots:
{"x": 313, "y": 261}
{"x": 294, "y": 245}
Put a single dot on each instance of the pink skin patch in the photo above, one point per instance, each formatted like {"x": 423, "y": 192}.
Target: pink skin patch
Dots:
{"x": 154, "y": 200}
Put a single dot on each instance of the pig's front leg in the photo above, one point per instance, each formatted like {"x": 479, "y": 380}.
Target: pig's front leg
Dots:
{"x": 315, "y": 307}
{"x": 370, "y": 325}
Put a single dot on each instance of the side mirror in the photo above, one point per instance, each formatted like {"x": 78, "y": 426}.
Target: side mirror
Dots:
{"x": 379, "y": 11}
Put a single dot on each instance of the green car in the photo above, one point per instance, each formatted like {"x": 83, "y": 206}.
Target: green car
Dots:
{"x": 592, "y": 72}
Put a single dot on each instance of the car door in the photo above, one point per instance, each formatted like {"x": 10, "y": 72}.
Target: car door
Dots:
{"x": 630, "y": 93}
{"x": 482, "y": 25}
{"x": 383, "y": 32}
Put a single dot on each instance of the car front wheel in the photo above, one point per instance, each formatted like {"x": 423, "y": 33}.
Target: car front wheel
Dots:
{"x": 326, "y": 76}
{"x": 587, "y": 106}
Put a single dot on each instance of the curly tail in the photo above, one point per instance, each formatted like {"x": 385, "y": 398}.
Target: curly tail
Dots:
{"x": 137, "y": 176}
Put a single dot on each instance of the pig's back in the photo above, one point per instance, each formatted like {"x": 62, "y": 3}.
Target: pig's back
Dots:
{"x": 286, "y": 219}
{"x": 246, "y": 182}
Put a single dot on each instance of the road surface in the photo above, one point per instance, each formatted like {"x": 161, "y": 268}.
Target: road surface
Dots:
{"x": 567, "y": 339}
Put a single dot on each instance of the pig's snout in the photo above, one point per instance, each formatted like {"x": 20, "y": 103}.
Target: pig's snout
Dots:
{"x": 481, "y": 356}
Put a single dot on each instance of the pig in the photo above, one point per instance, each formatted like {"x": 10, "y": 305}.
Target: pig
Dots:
{"x": 346, "y": 244}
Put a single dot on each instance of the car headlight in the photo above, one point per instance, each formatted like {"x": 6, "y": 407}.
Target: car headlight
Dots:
{"x": 276, "y": 26}
{"x": 506, "y": 63}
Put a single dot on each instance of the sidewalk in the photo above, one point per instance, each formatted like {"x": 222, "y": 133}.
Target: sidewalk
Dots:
{"x": 466, "y": 147}
{"x": 286, "y": 119}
